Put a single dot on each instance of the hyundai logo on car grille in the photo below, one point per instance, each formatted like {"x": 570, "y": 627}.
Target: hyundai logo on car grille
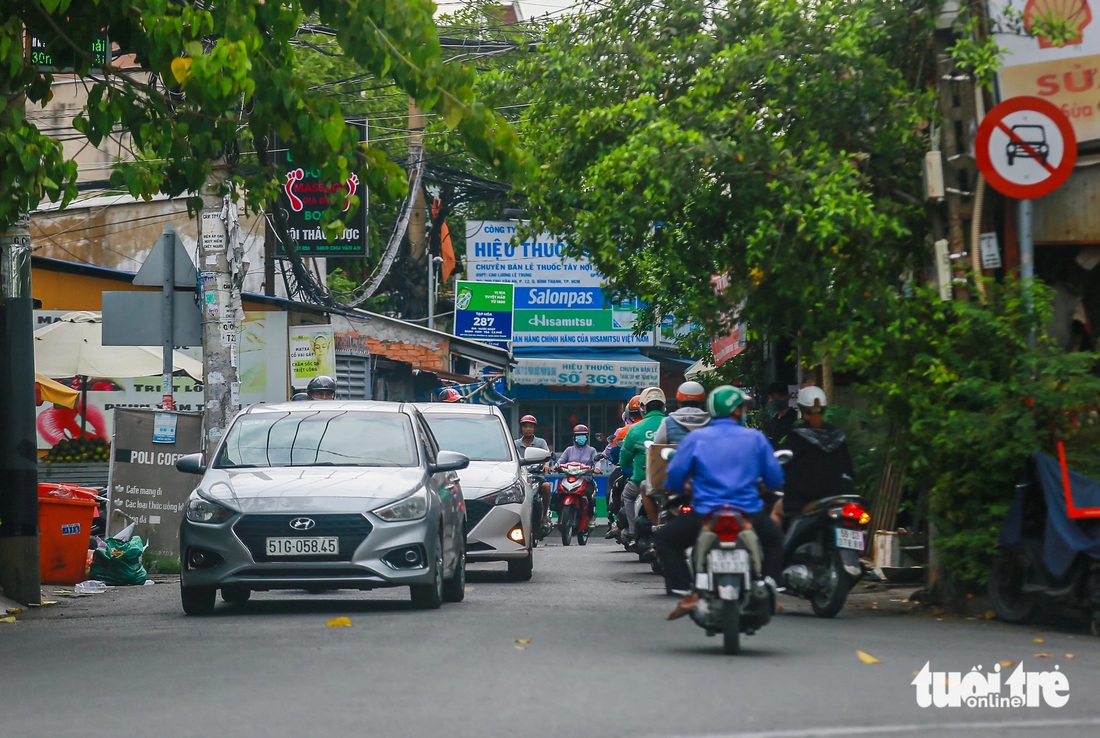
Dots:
{"x": 302, "y": 523}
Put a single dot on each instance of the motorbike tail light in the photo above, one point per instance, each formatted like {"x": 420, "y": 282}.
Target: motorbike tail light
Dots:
{"x": 727, "y": 527}
{"x": 685, "y": 509}
{"x": 856, "y": 512}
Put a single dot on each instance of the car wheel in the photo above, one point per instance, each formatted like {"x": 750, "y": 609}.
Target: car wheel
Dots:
{"x": 236, "y": 594}
{"x": 520, "y": 570}
{"x": 454, "y": 589}
{"x": 430, "y": 596}
{"x": 198, "y": 600}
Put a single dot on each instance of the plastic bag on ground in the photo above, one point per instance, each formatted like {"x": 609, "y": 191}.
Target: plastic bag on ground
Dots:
{"x": 119, "y": 564}
{"x": 91, "y": 586}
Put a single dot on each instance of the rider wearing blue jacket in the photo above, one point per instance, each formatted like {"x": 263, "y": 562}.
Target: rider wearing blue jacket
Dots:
{"x": 726, "y": 463}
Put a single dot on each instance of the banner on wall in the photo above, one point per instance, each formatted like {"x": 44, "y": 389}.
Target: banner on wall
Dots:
{"x": 312, "y": 354}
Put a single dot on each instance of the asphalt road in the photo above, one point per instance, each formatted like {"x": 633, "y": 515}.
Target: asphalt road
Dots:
{"x": 581, "y": 650}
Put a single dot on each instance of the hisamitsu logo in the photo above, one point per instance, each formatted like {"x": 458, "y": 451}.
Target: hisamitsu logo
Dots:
{"x": 980, "y": 688}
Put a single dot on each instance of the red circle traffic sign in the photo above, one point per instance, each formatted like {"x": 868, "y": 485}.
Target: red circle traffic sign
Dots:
{"x": 1025, "y": 147}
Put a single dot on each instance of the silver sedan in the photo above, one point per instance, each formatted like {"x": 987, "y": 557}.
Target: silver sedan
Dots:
{"x": 324, "y": 495}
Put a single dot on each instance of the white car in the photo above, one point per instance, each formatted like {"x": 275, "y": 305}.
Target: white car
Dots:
{"x": 498, "y": 490}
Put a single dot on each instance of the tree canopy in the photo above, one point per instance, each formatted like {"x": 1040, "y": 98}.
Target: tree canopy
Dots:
{"x": 775, "y": 141}
{"x": 219, "y": 69}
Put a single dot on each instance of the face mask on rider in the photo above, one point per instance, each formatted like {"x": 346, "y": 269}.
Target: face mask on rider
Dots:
{"x": 776, "y": 406}
{"x": 581, "y": 440}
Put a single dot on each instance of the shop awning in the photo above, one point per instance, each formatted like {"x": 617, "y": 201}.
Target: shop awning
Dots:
{"x": 575, "y": 368}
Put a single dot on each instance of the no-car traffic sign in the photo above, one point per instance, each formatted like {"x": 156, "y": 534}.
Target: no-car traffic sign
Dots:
{"x": 1025, "y": 147}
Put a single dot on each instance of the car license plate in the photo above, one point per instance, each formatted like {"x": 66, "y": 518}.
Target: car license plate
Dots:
{"x": 849, "y": 539}
{"x": 728, "y": 562}
{"x": 316, "y": 546}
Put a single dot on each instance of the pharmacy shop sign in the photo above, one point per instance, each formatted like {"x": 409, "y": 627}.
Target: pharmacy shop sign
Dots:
{"x": 586, "y": 373}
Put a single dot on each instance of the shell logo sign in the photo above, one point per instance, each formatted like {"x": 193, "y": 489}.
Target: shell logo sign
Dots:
{"x": 1057, "y": 23}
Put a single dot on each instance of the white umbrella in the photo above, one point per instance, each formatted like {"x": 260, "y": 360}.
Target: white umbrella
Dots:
{"x": 73, "y": 347}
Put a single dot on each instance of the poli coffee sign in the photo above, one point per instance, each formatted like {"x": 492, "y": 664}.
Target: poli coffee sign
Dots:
{"x": 305, "y": 197}
{"x": 1052, "y": 51}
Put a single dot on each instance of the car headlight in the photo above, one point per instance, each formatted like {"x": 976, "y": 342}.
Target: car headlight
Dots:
{"x": 507, "y": 496}
{"x": 201, "y": 510}
{"x": 408, "y": 508}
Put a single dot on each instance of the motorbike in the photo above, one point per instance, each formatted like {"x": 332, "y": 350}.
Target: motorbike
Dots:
{"x": 727, "y": 561}
{"x": 540, "y": 520}
{"x": 1049, "y": 553}
{"x": 822, "y": 550}
{"x": 573, "y": 491}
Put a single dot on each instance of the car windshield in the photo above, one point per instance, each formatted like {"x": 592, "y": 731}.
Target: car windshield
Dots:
{"x": 319, "y": 439}
{"x": 480, "y": 437}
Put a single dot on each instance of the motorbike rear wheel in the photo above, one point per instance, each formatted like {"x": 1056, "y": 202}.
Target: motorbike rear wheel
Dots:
{"x": 1006, "y": 579}
{"x": 567, "y": 522}
{"x": 827, "y": 603}
{"x": 731, "y": 627}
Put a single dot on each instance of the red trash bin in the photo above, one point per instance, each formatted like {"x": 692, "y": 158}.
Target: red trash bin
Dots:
{"x": 65, "y": 515}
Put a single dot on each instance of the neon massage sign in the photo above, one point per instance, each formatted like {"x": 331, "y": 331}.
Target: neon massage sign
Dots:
{"x": 304, "y": 199}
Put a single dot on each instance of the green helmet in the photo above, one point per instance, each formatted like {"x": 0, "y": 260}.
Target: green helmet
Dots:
{"x": 724, "y": 400}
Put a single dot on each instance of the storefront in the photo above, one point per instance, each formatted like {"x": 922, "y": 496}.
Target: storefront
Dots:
{"x": 578, "y": 386}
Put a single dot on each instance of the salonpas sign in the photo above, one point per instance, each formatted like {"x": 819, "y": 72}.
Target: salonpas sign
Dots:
{"x": 586, "y": 373}
{"x": 559, "y": 301}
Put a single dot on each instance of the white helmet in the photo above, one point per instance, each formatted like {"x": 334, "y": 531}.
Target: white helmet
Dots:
{"x": 811, "y": 396}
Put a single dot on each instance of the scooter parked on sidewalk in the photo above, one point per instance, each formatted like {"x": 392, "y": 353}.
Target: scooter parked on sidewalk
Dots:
{"x": 574, "y": 515}
{"x": 1049, "y": 547}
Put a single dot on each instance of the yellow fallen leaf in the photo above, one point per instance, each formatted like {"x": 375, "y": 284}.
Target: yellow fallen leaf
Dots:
{"x": 47, "y": 603}
{"x": 866, "y": 657}
{"x": 519, "y": 647}
{"x": 15, "y": 611}
{"x": 521, "y": 640}
{"x": 1042, "y": 656}
{"x": 1068, "y": 655}
{"x": 1037, "y": 640}
{"x": 338, "y": 623}
{"x": 8, "y": 619}
{"x": 1006, "y": 664}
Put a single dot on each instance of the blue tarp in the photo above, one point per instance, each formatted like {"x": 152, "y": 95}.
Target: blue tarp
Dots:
{"x": 1063, "y": 538}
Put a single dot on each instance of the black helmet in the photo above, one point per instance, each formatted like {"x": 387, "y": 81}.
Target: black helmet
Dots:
{"x": 321, "y": 388}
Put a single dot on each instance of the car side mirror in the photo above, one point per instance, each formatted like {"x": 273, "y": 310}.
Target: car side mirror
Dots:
{"x": 784, "y": 455}
{"x": 533, "y": 456}
{"x": 191, "y": 464}
{"x": 446, "y": 461}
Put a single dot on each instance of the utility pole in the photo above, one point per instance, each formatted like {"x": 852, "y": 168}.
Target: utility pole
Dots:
{"x": 221, "y": 308}
{"x": 418, "y": 241}
{"x": 20, "y": 577}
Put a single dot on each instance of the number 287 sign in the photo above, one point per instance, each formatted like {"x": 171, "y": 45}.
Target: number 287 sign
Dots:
{"x": 1025, "y": 147}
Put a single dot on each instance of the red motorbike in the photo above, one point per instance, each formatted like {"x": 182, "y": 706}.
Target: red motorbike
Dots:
{"x": 573, "y": 493}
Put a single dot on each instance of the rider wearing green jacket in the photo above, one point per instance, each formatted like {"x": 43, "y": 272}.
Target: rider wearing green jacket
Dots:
{"x": 634, "y": 453}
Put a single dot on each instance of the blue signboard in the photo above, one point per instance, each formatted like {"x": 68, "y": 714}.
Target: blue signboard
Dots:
{"x": 483, "y": 312}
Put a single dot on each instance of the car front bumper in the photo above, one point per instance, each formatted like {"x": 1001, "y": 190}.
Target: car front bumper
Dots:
{"x": 235, "y": 556}
{"x": 489, "y": 525}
